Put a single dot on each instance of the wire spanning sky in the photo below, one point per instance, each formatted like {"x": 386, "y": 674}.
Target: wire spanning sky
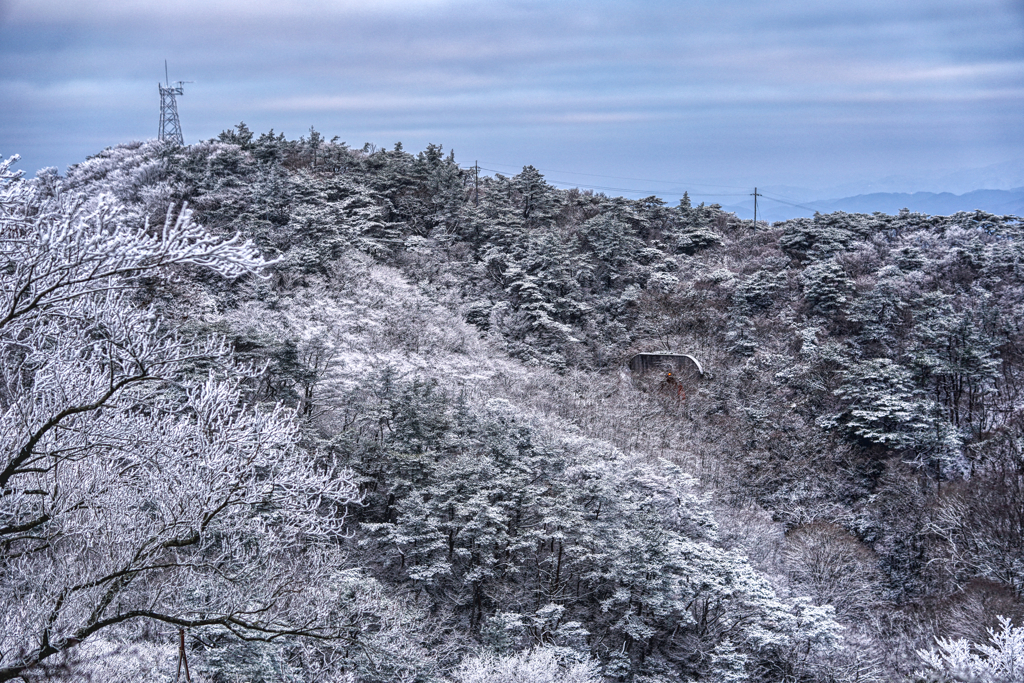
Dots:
{"x": 663, "y": 95}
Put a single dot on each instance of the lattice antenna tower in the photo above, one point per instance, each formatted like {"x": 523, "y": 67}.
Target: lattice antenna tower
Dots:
{"x": 170, "y": 125}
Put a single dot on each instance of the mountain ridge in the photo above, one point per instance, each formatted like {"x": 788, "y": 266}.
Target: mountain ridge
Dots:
{"x": 1000, "y": 202}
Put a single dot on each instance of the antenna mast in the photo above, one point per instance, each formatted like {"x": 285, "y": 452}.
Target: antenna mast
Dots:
{"x": 170, "y": 126}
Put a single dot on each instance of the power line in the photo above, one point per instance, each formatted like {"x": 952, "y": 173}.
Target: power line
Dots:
{"x": 783, "y": 201}
{"x": 618, "y": 177}
{"x": 605, "y": 188}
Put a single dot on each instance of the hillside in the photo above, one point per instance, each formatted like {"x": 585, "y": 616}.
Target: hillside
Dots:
{"x": 842, "y": 485}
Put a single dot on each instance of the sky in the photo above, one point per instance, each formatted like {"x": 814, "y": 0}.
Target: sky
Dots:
{"x": 809, "y": 98}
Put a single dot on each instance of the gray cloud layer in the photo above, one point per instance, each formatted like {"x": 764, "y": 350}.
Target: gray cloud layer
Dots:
{"x": 813, "y": 93}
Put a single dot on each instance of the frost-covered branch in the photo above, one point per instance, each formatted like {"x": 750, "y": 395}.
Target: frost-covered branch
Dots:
{"x": 57, "y": 248}
{"x": 1001, "y": 660}
{"x": 128, "y": 489}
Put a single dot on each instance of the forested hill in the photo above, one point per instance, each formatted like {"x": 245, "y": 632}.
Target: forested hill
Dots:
{"x": 844, "y": 483}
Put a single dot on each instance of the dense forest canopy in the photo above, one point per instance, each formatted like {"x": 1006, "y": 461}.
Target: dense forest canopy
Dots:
{"x": 374, "y": 421}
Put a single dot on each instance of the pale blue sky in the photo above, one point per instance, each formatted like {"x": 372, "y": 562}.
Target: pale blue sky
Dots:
{"x": 894, "y": 94}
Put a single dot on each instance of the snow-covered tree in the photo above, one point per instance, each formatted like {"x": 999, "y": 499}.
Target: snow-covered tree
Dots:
{"x": 863, "y": 391}
{"x": 134, "y": 483}
{"x": 1001, "y": 660}
{"x": 540, "y": 665}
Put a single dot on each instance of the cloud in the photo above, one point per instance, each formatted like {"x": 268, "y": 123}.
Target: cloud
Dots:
{"x": 99, "y": 11}
{"x": 731, "y": 82}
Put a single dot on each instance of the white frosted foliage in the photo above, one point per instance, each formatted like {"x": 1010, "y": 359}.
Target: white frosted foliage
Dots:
{"x": 1001, "y": 660}
{"x": 130, "y": 489}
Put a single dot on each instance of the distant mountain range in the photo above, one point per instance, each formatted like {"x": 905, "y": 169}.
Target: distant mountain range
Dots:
{"x": 772, "y": 207}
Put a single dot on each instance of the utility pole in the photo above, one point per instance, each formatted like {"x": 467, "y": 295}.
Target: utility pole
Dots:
{"x": 476, "y": 183}
{"x": 755, "y": 196}
{"x": 170, "y": 126}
